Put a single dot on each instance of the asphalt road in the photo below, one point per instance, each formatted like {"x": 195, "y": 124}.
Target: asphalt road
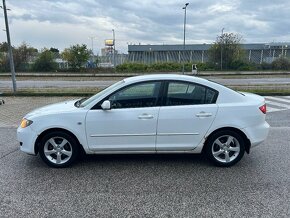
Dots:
{"x": 5, "y": 84}
{"x": 149, "y": 185}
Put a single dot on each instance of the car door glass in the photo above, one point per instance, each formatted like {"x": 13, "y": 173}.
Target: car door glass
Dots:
{"x": 210, "y": 96}
{"x": 186, "y": 94}
{"x": 139, "y": 95}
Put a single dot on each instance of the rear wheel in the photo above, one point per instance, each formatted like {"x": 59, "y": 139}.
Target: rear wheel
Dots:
{"x": 58, "y": 149}
{"x": 225, "y": 148}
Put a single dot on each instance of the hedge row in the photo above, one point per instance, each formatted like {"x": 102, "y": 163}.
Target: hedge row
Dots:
{"x": 278, "y": 64}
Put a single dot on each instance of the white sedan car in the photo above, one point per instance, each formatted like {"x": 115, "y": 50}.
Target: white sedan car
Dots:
{"x": 149, "y": 114}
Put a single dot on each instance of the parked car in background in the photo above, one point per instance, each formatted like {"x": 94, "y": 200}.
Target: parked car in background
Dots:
{"x": 149, "y": 114}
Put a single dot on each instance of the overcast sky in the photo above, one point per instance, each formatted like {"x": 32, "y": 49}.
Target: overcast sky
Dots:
{"x": 61, "y": 23}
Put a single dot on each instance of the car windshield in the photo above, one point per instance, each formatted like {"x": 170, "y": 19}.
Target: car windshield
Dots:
{"x": 103, "y": 92}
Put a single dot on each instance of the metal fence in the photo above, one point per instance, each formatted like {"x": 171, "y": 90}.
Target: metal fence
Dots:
{"x": 108, "y": 60}
{"x": 255, "y": 56}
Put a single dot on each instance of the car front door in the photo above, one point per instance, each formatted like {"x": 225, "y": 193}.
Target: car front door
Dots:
{"x": 188, "y": 112}
{"x": 130, "y": 124}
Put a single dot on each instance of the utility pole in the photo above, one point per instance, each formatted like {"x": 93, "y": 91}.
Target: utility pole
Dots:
{"x": 184, "y": 25}
{"x": 114, "y": 50}
{"x": 92, "y": 40}
{"x": 9, "y": 48}
{"x": 222, "y": 48}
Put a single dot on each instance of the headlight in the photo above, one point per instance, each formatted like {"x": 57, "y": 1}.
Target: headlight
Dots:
{"x": 25, "y": 123}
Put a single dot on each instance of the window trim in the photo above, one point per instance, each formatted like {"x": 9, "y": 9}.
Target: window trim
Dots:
{"x": 166, "y": 86}
{"x": 97, "y": 106}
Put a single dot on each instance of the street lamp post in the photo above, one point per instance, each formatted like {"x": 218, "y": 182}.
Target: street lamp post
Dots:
{"x": 9, "y": 48}
{"x": 184, "y": 24}
{"x": 222, "y": 48}
{"x": 92, "y": 41}
{"x": 114, "y": 50}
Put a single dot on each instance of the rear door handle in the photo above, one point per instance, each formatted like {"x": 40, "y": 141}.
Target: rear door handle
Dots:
{"x": 203, "y": 114}
{"x": 145, "y": 116}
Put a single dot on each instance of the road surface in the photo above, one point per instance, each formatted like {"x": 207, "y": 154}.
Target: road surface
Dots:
{"x": 144, "y": 185}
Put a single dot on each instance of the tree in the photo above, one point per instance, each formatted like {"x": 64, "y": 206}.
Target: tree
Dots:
{"x": 226, "y": 50}
{"x": 45, "y": 62}
{"x": 76, "y": 56}
{"x": 3, "y": 47}
{"x": 4, "y": 60}
{"x": 54, "y": 50}
{"x": 23, "y": 55}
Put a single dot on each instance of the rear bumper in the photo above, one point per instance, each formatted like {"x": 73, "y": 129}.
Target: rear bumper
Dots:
{"x": 257, "y": 134}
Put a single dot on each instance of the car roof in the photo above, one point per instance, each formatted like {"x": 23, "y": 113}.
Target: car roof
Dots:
{"x": 165, "y": 77}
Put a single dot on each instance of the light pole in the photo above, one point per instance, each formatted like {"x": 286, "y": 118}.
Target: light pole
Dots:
{"x": 222, "y": 48}
{"x": 114, "y": 50}
{"x": 9, "y": 48}
{"x": 184, "y": 24}
{"x": 92, "y": 40}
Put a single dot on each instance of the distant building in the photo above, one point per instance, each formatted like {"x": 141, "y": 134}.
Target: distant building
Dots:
{"x": 62, "y": 64}
{"x": 195, "y": 53}
{"x": 108, "y": 51}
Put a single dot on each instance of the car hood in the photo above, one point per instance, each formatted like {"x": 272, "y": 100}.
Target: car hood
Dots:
{"x": 62, "y": 107}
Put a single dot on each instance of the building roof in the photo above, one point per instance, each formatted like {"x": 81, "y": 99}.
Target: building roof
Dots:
{"x": 200, "y": 47}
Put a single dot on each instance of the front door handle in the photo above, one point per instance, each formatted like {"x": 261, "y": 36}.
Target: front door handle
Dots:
{"x": 203, "y": 114}
{"x": 145, "y": 116}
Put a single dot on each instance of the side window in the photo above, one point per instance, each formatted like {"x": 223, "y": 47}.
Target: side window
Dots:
{"x": 138, "y": 95}
{"x": 210, "y": 97}
{"x": 182, "y": 93}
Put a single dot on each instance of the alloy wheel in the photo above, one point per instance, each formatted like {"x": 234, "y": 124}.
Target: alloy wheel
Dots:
{"x": 58, "y": 150}
{"x": 225, "y": 149}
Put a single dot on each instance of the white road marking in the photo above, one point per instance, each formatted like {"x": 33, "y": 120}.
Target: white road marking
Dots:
{"x": 283, "y": 104}
{"x": 278, "y": 99}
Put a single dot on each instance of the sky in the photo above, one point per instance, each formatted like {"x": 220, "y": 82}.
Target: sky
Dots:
{"x": 62, "y": 23}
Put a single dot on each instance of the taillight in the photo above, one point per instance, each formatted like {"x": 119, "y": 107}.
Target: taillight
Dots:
{"x": 263, "y": 108}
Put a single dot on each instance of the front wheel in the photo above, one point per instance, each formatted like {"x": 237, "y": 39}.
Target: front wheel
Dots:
{"x": 225, "y": 148}
{"x": 58, "y": 149}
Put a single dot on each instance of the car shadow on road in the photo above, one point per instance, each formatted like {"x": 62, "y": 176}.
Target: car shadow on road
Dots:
{"x": 197, "y": 159}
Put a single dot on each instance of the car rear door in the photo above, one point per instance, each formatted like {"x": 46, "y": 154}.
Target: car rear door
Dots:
{"x": 188, "y": 112}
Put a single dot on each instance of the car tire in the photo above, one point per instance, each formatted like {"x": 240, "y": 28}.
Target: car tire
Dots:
{"x": 58, "y": 149}
{"x": 225, "y": 148}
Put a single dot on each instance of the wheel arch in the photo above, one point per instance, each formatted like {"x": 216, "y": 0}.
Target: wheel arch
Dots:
{"x": 236, "y": 130}
{"x": 40, "y": 136}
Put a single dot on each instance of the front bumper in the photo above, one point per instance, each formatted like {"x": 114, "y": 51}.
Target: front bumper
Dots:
{"x": 26, "y": 137}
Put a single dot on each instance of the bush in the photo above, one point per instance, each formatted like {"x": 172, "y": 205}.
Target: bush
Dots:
{"x": 281, "y": 64}
{"x": 162, "y": 67}
{"x": 45, "y": 62}
{"x": 241, "y": 65}
{"x": 165, "y": 67}
{"x": 205, "y": 66}
{"x": 131, "y": 67}
{"x": 266, "y": 66}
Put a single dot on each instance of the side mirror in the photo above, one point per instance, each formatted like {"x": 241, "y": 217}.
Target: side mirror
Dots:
{"x": 106, "y": 105}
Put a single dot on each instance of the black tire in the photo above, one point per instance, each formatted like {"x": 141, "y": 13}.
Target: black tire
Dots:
{"x": 56, "y": 152}
{"x": 225, "y": 148}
